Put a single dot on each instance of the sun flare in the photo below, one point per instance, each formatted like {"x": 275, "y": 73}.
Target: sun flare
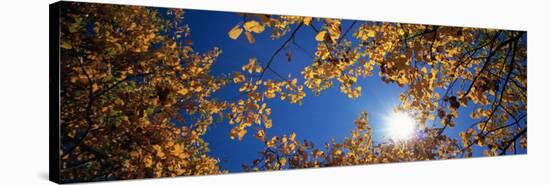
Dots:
{"x": 400, "y": 126}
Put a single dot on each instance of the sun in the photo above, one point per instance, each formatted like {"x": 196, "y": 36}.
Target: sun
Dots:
{"x": 400, "y": 126}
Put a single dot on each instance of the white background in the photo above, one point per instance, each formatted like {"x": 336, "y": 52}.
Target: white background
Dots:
{"x": 24, "y": 90}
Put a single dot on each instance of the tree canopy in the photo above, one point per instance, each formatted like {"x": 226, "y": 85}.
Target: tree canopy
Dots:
{"x": 137, "y": 99}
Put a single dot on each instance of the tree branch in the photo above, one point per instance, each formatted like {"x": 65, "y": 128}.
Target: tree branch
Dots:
{"x": 513, "y": 140}
{"x": 267, "y": 66}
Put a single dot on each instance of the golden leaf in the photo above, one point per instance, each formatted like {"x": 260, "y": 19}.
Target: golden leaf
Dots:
{"x": 284, "y": 139}
{"x": 66, "y": 45}
{"x": 321, "y": 36}
{"x": 260, "y": 135}
{"x": 282, "y": 160}
{"x": 271, "y": 143}
{"x": 183, "y": 91}
{"x": 258, "y": 69}
{"x": 95, "y": 87}
{"x": 172, "y": 45}
{"x": 177, "y": 150}
{"x": 424, "y": 70}
{"x": 253, "y": 26}
{"x": 148, "y": 161}
{"x": 268, "y": 123}
{"x": 238, "y": 77}
{"x": 307, "y": 20}
{"x": 251, "y": 66}
{"x": 371, "y": 33}
{"x": 292, "y": 136}
{"x": 235, "y": 32}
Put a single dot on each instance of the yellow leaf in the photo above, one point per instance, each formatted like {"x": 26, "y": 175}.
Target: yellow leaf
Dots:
{"x": 431, "y": 117}
{"x": 251, "y": 66}
{"x": 241, "y": 133}
{"x": 66, "y": 45}
{"x": 269, "y": 94}
{"x": 268, "y": 123}
{"x": 371, "y": 33}
{"x": 177, "y": 150}
{"x": 259, "y": 69}
{"x": 338, "y": 152}
{"x": 480, "y": 142}
{"x": 322, "y": 51}
{"x": 74, "y": 27}
{"x": 271, "y": 143}
{"x": 294, "y": 82}
{"x": 307, "y": 20}
{"x": 235, "y": 32}
{"x": 172, "y": 45}
{"x": 268, "y": 111}
{"x": 148, "y": 161}
{"x": 198, "y": 89}
{"x": 282, "y": 160}
{"x": 253, "y": 26}
{"x": 183, "y": 91}
{"x": 238, "y": 77}
{"x": 249, "y": 37}
{"x": 95, "y": 87}
{"x": 260, "y": 135}
{"x": 292, "y": 136}
{"x": 321, "y": 36}
{"x": 334, "y": 30}
{"x": 159, "y": 151}
{"x": 284, "y": 139}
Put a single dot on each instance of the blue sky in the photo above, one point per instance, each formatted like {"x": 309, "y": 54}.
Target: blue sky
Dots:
{"x": 319, "y": 119}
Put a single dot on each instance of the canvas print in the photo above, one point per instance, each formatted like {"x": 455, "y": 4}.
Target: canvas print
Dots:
{"x": 145, "y": 92}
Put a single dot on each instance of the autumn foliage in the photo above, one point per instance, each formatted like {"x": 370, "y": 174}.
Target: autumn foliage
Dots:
{"x": 137, "y": 100}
